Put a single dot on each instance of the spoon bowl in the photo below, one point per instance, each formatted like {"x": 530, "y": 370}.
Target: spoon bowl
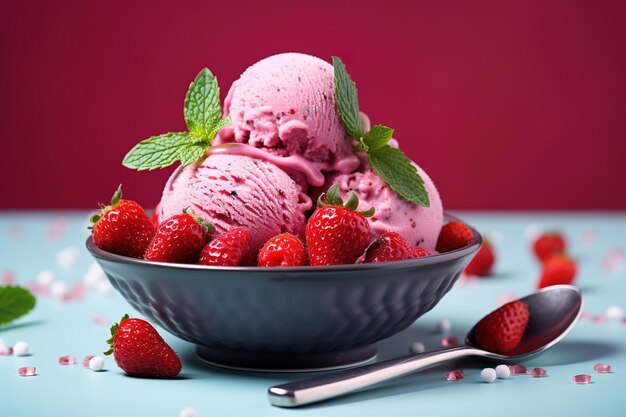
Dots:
{"x": 553, "y": 312}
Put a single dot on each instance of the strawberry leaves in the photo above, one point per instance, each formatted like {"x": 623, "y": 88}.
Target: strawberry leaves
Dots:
{"x": 203, "y": 116}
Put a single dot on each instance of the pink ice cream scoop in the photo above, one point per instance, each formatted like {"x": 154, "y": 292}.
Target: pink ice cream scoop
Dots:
{"x": 286, "y": 104}
{"x": 234, "y": 190}
{"x": 419, "y": 225}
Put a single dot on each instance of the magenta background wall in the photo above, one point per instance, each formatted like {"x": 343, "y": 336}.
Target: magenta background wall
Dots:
{"x": 508, "y": 105}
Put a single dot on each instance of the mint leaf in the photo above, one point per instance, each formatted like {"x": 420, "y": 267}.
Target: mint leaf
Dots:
{"x": 192, "y": 151}
{"x": 202, "y": 104}
{"x": 14, "y": 303}
{"x": 396, "y": 170}
{"x": 203, "y": 115}
{"x": 347, "y": 100}
{"x": 157, "y": 151}
{"x": 378, "y": 137}
{"x": 220, "y": 124}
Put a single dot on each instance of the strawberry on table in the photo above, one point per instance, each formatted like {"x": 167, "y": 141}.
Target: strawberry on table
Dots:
{"x": 392, "y": 246}
{"x": 549, "y": 244}
{"x": 123, "y": 227}
{"x": 140, "y": 351}
{"x": 228, "y": 249}
{"x": 502, "y": 330}
{"x": 179, "y": 239}
{"x": 336, "y": 233}
{"x": 282, "y": 250}
{"x": 483, "y": 261}
{"x": 454, "y": 235}
{"x": 557, "y": 269}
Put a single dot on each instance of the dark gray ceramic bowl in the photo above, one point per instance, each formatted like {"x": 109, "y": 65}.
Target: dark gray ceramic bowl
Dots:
{"x": 286, "y": 319}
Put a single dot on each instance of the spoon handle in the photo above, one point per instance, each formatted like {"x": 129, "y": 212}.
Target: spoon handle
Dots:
{"x": 297, "y": 393}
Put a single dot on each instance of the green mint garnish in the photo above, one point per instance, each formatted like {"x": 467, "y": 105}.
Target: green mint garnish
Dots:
{"x": 396, "y": 169}
{"x": 391, "y": 164}
{"x": 347, "y": 100}
{"x": 203, "y": 115}
{"x": 14, "y": 303}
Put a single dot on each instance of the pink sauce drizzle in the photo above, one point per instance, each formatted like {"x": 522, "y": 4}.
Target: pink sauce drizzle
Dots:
{"x": 312, "y": 170}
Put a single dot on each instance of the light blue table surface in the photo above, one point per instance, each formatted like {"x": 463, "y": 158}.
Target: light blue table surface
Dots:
{"x": 31, "y": 242}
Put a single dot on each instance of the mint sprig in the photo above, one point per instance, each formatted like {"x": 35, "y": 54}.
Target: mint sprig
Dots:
{"x": 203, "y": 116}
{"x": 391, "y": 164}
{"x": 14, "y": 303}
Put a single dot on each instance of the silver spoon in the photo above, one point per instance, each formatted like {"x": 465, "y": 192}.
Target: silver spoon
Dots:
{"x": 553, "y": 312}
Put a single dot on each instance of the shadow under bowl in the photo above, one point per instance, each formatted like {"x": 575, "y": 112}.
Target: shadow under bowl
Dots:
{"x": 285, "y": 319}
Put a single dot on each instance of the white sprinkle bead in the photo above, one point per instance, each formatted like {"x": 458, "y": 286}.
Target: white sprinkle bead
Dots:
{"x": 188, "y": 412}
{"x": 488, "y": 375}
{"x": 94, "y": 275}
{"x": 58, "y": 288}
{"x": 96, "y": 363}
{"x": 67, "y": 257}
{"x": 503, "y": 371}
{"x": 104, "y": 287}
{"x": 614, "y": 313}
{"x": 20, "y": 349}
{"x": 417, "y": 347}
{"x": 444, "y": 326}
{"x": 532, "y": 232}
{"x": 45, "y": 278}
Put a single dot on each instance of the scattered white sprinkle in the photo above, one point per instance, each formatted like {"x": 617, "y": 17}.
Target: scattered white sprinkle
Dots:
{"x": 188, "y": 412}
{"x": 488, "y": 375}
{"x": 58, "y": 288}
{"x": 444, "y": 326}
{"x": 20, "y": 349}
{"x": 532, "y": 232}
{"x": 94, "y": 275}
{"x": 104, "y": 287}
{"x": 495, "y": 237}
{"x": 503, "y": 371}
{"x": 614, "y": 313}
{"x": 67, "y": 257}
{"x": 417, "y": 347}
{"x": 96, "y": 363}
{"x": 45, "y": 278}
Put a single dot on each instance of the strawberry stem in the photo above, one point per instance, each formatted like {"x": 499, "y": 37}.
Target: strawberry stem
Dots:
{"x": 332, "y": 198}
{"x": 206, "y": 225}
{"x": 114, "y": 329}
{"x": 117, "y": 196}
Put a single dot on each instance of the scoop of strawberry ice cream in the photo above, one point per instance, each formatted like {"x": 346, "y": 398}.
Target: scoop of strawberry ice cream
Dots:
{"x": 419, "y": 225}
{"x": 235, "y": 190}
{"x": 286, "y": 103}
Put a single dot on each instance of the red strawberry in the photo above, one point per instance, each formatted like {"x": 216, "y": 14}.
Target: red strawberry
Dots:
{"x": 421, "y": 252}
{"x": 549, "y": 244}
{"x": 392, "y": 246}
{"x": 557, "y": 269}
{"x": 502, "y": 330}
{"x": 179, "y": 239}
{"x": 123, "y": 227}
{"x": 155, "y": 216}
{"x": 282, "y": 250}
{"x": 336, "y": 233}
{"x": 454, "y": 235}
{"x": 140, "y": 351}
{"x": 483, "y": 261}
{"x": 228, "y": 249}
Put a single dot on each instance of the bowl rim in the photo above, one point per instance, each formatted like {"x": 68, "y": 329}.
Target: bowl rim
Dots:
{"x": 415, "y": 262}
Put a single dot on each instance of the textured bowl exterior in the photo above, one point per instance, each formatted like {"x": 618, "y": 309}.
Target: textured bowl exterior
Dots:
{"x": 299, "y": 310}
